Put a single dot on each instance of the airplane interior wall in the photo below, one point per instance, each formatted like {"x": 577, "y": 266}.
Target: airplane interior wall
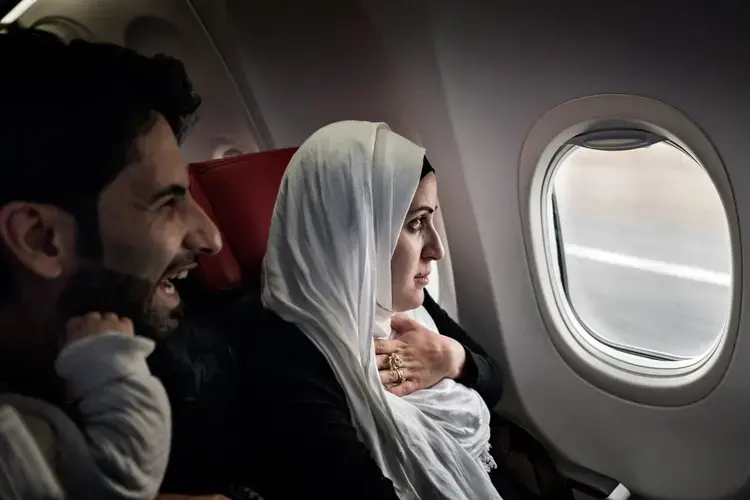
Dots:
{"x": 469, "y": 80}
{"x": 502, "y": 69}
{"x": 299, "y": 58}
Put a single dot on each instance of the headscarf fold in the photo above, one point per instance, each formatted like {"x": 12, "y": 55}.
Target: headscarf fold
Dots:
{"x": 338, "y": 215}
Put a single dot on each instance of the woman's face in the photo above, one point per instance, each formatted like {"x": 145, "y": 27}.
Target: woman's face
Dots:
{"x": 418, "y": 245}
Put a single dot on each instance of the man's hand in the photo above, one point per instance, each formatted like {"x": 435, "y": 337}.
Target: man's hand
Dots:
{"x": 427, "y": 356}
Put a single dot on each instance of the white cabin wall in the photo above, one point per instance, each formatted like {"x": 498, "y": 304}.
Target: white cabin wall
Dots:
{"x": 502, "y": 68}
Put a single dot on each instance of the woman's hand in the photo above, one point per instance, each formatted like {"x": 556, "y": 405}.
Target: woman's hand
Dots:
{"x": 427, "y": 357}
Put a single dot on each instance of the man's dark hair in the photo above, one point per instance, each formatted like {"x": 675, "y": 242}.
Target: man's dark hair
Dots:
{"x": 69, "y": 118}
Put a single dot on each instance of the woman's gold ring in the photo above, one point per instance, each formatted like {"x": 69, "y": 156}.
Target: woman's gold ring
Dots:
{"x": 399, "y": 375}
{"x": 395, "y": 362}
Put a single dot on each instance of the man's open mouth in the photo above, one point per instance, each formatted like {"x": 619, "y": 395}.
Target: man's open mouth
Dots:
{"x": 166, "y": 284}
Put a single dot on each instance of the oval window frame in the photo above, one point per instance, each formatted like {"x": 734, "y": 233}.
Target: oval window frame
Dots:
{"x": 633, "y": 377}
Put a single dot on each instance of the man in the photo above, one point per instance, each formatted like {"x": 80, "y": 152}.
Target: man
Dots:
{"x": 96, "y": 219}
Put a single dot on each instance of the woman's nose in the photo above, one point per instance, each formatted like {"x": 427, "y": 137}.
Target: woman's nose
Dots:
{"x": 434, "y": 249}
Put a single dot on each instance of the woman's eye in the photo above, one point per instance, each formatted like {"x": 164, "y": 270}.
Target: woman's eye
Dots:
{"x": 416, "y": 224}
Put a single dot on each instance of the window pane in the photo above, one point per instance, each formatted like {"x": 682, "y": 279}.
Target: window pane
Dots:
{"x": 646, "y": 248}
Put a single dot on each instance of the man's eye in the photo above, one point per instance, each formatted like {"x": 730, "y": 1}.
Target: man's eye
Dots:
{"x": 170, "y": 203}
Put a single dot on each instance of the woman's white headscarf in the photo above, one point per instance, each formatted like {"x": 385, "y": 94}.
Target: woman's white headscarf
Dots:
{"x": 338, "y": 215}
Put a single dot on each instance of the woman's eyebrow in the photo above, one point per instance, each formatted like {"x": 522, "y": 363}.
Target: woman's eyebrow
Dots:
{"x": 426, "y": 208}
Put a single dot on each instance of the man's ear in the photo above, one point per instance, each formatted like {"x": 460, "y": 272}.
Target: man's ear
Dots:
{"x": 40, "y": 237}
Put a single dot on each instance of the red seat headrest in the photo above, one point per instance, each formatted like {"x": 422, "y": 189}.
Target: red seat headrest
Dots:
{"x": 239, "y": 194}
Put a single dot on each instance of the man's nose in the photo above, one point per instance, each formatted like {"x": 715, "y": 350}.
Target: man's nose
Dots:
{"x": 204, "y": 237}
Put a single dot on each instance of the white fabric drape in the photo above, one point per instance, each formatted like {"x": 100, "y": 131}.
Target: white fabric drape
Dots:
{"x": 458, "y": 410}
{"x": 339, "y": 211}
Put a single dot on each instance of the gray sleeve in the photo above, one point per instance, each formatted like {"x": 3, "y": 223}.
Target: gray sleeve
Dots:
{"x": 124, "y": 409}
{"x": 24, "y": 472}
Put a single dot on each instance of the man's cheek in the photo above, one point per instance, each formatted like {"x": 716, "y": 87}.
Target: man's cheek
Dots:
{"x": 134, "y": 259}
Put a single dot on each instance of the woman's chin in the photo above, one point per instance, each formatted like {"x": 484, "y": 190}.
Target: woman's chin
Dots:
{"x": 409, "y": 301}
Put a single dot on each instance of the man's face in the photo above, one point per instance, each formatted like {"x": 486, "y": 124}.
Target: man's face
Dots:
{"x": 151, "y": 228}
{"x": 150, "y": 231}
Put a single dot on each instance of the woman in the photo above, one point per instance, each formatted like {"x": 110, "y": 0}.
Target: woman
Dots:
{"x": 351, "y": 242}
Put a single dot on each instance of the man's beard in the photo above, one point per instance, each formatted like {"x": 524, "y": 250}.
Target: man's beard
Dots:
{"x": 97, "y": 289}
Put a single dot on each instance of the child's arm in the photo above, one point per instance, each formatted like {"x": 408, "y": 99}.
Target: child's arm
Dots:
{"x": 25, "y": 474}
{"x": 124, "y": 410}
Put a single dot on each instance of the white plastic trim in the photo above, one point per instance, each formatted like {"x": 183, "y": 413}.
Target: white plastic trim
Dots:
{"x": 619, "y": 493}
{"x": 659, "y": 383}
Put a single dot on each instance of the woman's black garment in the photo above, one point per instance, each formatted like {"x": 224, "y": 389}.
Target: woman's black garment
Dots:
{"x": 302, "y": 442}
{"x": 481, "y": 372}
{"x": 426, "y": 168}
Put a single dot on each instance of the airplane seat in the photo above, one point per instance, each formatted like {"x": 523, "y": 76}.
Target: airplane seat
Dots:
{"x": 238, "y": 194}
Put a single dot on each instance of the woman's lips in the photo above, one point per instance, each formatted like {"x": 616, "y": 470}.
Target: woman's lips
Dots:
{"x": 422, "y": 279}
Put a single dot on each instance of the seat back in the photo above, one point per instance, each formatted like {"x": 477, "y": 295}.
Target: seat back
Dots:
{"x": 239, "y": 194}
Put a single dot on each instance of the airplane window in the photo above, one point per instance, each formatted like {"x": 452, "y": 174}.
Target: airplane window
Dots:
{"x": 645, "y": 254}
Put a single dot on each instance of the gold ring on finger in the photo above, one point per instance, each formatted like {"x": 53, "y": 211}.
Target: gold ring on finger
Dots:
{"x": 399, "y": 376}
{"x": 395, "y": 362}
